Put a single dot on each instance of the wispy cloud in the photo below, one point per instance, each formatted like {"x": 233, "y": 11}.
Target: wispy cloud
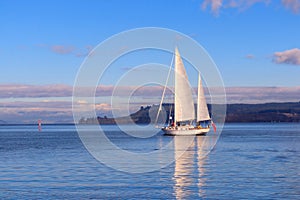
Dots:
{"x": 61, "y": 49}
{"x": 244, "y": 4}
{"x": 262, "y": 94}
{"x": 126, "y": 68}
{"x": 67, "y": 49}
{"x": 103, "y": 107}
{"x": 27, "y": 103}
{"x": 29, "y": 112}
{"x": 123, "y": 91}
{"x": 146, "y": 92}
{"x": 49, "y": 111}
{"x": 291, "y": 56}
{"x": 60, "y": 90}
{"x": 293, "y": 5}
{"x": 250, "y": 56}
{"x": 217, "y": 5}
{"x": 21, "y": 91}
{"x": 84, "y": 51}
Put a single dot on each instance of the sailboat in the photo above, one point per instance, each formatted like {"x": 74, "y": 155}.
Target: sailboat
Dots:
{"x": 184, "y": 122}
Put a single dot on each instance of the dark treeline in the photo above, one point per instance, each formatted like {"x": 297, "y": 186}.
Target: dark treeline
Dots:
{"x": 267, "y": 112}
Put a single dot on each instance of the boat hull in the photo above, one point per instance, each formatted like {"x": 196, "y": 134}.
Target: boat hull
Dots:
{"x": 184, "y": 131}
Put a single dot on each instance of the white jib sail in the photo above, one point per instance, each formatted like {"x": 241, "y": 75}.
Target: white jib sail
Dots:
{"x": 202, "y": 111}
{"x": 184, "y": 104}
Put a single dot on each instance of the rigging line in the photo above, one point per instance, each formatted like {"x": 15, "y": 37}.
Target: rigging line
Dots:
{"x": 170, "y": 115}
{"x": 164, "y": 91}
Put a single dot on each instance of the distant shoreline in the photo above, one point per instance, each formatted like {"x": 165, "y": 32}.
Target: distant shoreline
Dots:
{"x": 236, "y": 113}
{"x": 288, "y": 112}
{"x": 55, "y": 124}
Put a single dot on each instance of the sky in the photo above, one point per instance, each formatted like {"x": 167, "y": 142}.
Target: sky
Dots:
{"x": 254, "y": 43}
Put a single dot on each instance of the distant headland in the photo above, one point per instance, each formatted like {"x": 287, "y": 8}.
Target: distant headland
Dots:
{"x": 266, "y": 112}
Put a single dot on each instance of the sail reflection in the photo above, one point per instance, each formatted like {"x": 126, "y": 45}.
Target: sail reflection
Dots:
{"x": 189, "y": 170}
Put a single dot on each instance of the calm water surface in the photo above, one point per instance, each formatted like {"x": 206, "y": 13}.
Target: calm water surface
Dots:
{"x": 250, "y": 161}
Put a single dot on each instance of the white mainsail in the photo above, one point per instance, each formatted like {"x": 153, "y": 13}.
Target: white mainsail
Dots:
{"x": 184, "y": 104}
{"x": 202, "y": 111}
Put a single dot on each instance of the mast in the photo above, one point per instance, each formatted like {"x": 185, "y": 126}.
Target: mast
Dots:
{"x": 202, "y": 111}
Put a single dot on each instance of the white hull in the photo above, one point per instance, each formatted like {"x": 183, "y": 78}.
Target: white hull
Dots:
{"x": 184, "y": 131}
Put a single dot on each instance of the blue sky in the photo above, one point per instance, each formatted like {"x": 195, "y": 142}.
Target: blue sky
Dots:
{"x": 32, "y": 29}
{"x": 255, "y": 43}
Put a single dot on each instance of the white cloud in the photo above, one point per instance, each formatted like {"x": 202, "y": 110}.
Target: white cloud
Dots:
{"x": 291, "y": 56}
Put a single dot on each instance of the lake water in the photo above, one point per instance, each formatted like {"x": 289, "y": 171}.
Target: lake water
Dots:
{"x": 249, "y": 161}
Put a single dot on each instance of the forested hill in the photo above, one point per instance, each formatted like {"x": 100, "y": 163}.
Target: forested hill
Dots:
{"x": 267, "y": 112}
